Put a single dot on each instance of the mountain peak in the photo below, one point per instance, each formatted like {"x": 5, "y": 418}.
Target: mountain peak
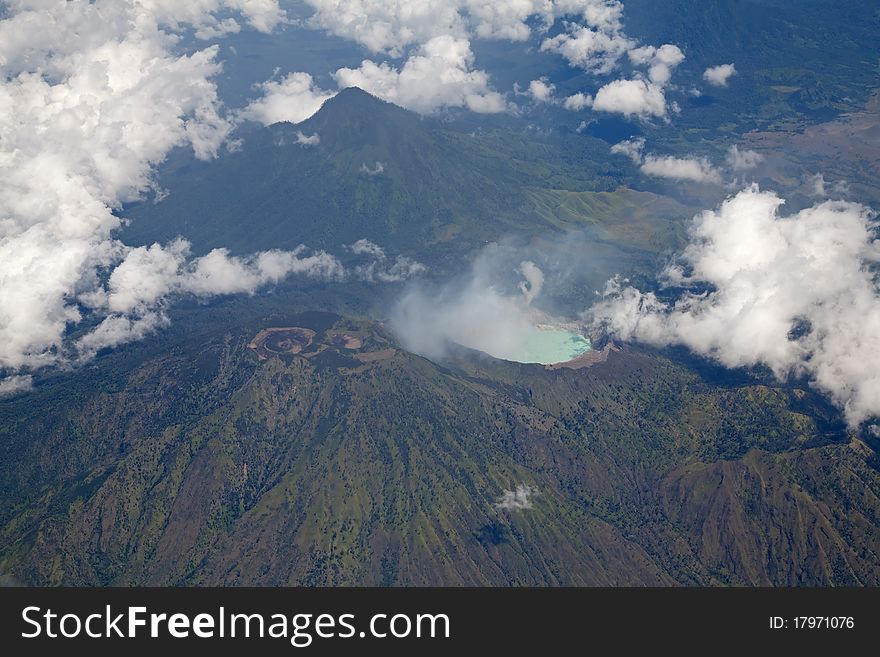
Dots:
{"x": 357, "y": 93}
{"x": 354, "y": 119}
{"x": 355, "y": 107}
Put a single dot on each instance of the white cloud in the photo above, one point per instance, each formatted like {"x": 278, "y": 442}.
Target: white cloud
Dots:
{"x": 220, "y": 273}
{"x": 433, "y": 38}
{"x": 578, "y": 101}
{"x": 116, "y": 330}
{"x": 262, "y": 15}
{"x": 365, "y": 247}
{"x": 519, "y": 499}
{"x": 541, "y": 90}
{"x": 593, "y": 50}
{"x": 695, "y": 169}
{"x": 93, "y": 95}
{"x": 718, "y": 76}
{"x": 503, "y": 20}
{"x": 372, "y": 171}
{"x": 744, "y": 160}
{"x": 637, "y": 96}
{"x": 599, "y": 45}
{"x": 144, "y": 277}
{"x": 378, "y": 269}
{"x": 402, "y": 269}
{"x": 438, "y": 75}
{"x": 392, "y": 26}
{"x": 819, "y": 187}
{"x": 678, "y": 168}
{"x": 310, "y": 140}
{"x": 14, "y": 385}
{"x": 631, "y": 98}
{"x": 140, "y": 287}
{"x": 798, "y": 294}
{"x": 631, "y": 148}
{"x": 388, "y": 26}
{"x": 294, "y": 98}
{"x": 660, "y": 61}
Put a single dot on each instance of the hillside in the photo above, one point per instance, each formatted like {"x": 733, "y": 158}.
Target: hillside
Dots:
{"x": 355, "y": 462}
{"x": 375, "y": 171}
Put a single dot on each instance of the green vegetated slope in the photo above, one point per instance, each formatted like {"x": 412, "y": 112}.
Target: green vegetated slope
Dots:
{"x": 376, "y": 466}
{"x": 379, "y": 172}
{"x": 631, "y": 219}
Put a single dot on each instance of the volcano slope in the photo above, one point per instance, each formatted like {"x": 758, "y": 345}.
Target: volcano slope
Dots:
{"x": 370, "y": 465}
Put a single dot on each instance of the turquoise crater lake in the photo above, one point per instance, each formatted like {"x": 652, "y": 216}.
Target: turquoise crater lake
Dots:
{"x": 548, "y": 346}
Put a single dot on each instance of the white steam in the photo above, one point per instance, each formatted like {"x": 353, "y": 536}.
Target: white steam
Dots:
{"x": 531, "y": 287}
{"x": 474, "y": 314}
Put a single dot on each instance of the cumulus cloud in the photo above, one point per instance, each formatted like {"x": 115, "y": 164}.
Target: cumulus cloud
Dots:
{"x": 798, "y": 294}
{"x": 719, "y": 76}
{"x": 388, "y": 26}
{"x": 374, "y": 170}
{"x": 116, "y": 330}
{"x": 93, "y": 95}
{"x": 379, "y": 269}
{"x": 439, "y": 74}
{"x": 519, "y": 499}
{"x": 640, "y": 97}
{"x": 660, "y": 61}
{"x": 402, "y": 269}
{"x": 141, "y": 286}
{"x": 541, "y": 90}
{"x": 743, "y": 160}
{"x": 391, "y": 26}
{"x": 577, "y": 102}
{"x": 598, "y": 44}
{"x": 220, "y": 273}
{"x": 15, "y": 385}
{"x": 310, "y": 140}
{"x": 631, "y": 148}
{"x": 594, "y": 50}
{"x": 433, "y": 40}
{"x": 631, "y": 98}
{"x": 819, "y": 187}
{"x": 294, "y": 98}
{"x": 694, "y": 169}
{"x": 365, "y": 247}
{"x": 681, "y": 168}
